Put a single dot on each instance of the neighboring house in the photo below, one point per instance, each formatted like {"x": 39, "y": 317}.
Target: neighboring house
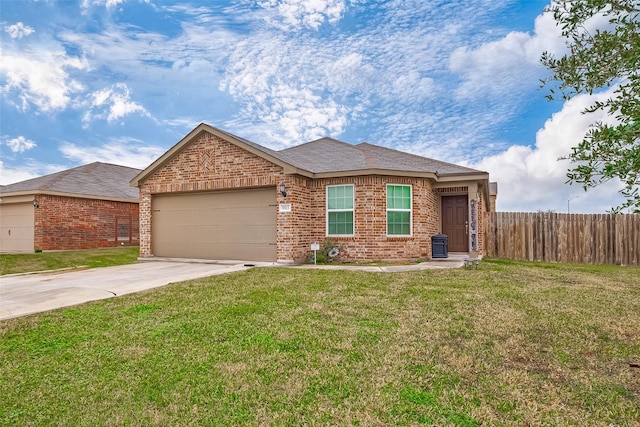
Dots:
{"x": 90, "y": 206}
{"x": 217, "y": 196}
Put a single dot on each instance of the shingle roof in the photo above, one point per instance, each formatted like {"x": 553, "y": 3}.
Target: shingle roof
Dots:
{"x": 329, "y": 155}
{"x": 325, "y": 156}
{"x": 97, "y": 179}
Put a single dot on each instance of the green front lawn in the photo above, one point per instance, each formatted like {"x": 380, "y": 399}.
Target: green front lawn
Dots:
{"x": 25, "y": 263}
{"x": 507, "y": 344}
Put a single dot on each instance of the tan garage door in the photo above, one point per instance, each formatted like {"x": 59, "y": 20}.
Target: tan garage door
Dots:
{"x": 237, "y": 225}
{"x": 16, "y": 227}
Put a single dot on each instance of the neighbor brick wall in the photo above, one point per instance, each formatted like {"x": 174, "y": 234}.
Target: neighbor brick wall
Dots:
{"x": 62, "y": 223}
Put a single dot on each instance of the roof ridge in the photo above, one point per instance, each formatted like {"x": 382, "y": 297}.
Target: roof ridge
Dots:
{"x": 110, "y": 164}
{"x": 369, "y": 157}
{"x": 328, "y": 138}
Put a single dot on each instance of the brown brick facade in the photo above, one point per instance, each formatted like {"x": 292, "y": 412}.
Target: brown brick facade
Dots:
{"x": 307, "y": 222}
{"x": 62, "y": 223}
{"x": 211, "y": 163}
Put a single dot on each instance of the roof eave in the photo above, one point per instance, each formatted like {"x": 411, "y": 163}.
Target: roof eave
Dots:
{"x": 63, "y": 194}
{"x": 374, "y": 171}
{"x": 462, "y": 176}
{"x": 453, "y": 177}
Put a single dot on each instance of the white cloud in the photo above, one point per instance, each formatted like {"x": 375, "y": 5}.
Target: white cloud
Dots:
{"x": 112, "y": 103}
{"x": 120, "y": 151}
{"x": 532, "y": 178}
{"x": 20, "y": 144}
{"x": 505, "y": 65}
{"x": 18, "y": 30}
{"x": 106, "y": 3}
{"x": 284, "y": 87}
{"x": 27, "y": 169}
{"x": 389, "y": 77}
{"x": 411, "y": 86}
{"x": 40, "y": 78}
{"x": 296, "y": 14}
{"x": 291, "y": 116}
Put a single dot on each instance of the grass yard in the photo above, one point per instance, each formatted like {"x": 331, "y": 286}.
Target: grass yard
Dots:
{"x": 90, "y": 258}
{"x": 507, "y": 344}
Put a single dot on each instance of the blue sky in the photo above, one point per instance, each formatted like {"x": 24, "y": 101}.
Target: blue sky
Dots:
{"x": 121, "y": 81}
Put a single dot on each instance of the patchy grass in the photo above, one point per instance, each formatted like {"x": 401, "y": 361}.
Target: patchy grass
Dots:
{"x": 90, "y": 258}
{"x": 507, "y": 344}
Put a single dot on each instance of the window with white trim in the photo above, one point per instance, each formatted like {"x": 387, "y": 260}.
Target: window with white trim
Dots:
{"x": 340, "y": 210}
{"x": 398, "y": 210}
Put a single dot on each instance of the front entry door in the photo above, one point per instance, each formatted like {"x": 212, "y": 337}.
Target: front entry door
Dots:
{"x": 455, "y": 222}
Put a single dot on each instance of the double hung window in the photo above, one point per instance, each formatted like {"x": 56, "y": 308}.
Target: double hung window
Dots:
{"x": 340, "y": 210}
{"x": 398, "y": 210}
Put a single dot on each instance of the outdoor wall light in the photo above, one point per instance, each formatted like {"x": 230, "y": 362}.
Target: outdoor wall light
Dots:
{"x": 35, "y": 203}
{"x": 283, "y": 190}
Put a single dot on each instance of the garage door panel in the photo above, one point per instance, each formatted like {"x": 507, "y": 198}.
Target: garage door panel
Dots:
{"x": 16, "y": 227}
{"x": 216, "y": 225}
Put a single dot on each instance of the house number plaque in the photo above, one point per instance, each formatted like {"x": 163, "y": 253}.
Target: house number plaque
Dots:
{"x": 285, "y": 207}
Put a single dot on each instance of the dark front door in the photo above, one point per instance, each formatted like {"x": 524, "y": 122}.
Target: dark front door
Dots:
{"x": 455, "y": 222}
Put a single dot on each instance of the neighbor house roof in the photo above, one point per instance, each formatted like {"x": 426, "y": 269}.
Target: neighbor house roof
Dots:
{"x": 96, "y": 180}
{"x": 328, "y": 157}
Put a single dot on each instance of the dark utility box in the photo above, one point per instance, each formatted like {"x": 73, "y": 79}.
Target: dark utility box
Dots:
{"x": 439, "y": 246}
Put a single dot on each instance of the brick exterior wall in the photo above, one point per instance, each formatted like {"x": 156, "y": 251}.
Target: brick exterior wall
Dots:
{"x": 370, "y": 240}
{"x": 63, "y": 223}
{"x": 210, "y": 163}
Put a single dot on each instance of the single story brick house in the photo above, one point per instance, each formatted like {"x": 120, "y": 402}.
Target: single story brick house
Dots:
{"x": 215, "y": 195}
{"x": 91, "y": 206}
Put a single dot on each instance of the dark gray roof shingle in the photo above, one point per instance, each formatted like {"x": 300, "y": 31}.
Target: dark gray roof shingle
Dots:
{"x": 329, "y": 155}
{"x": 95, "y": 179}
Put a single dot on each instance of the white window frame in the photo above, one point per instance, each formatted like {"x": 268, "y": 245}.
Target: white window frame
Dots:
{"x": 353, "y": 210}
{"x": 410, "y": 210}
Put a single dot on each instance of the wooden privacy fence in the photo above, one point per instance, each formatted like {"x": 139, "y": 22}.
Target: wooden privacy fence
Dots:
{"x": 572, "y": 238}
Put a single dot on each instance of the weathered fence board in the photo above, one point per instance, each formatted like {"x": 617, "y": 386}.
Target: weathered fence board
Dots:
{"x": 572, "y": 238}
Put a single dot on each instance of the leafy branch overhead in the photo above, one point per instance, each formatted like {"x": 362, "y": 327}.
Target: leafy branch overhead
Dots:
{"x": 603, "y": 38}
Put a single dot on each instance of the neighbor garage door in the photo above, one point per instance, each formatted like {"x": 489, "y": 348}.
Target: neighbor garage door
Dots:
{"x": 16, "y": 227}
{"x": 238, "y": 225}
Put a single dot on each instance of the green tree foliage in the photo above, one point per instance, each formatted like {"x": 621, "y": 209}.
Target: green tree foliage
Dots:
{"x": 606, "y": 56}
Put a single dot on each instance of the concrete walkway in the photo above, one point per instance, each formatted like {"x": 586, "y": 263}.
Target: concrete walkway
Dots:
{"x": 23, "y": 294}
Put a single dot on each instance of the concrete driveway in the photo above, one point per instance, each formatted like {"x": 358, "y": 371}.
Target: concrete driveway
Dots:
{"x": 34, "y": 293}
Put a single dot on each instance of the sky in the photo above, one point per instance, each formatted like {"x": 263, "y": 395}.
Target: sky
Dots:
{"x": 122, "y": 81}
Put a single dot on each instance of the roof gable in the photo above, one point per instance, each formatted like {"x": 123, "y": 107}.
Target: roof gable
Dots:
{"x": 95, "y": 180}
{"x": 276, "y": 157}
